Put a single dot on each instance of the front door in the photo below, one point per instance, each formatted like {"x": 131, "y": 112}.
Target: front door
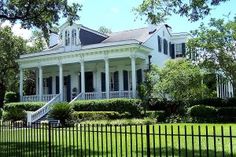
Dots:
{"x": 89, "y": 82}
{"x": 67, "y": 88}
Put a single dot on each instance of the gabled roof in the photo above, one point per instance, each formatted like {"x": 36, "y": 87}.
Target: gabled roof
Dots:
{"x": 140, "y": 34}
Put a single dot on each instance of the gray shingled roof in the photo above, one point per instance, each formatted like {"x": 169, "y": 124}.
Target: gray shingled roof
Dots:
{"x": 140, "y": 34}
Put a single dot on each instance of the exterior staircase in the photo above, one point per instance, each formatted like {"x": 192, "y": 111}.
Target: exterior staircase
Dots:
{"x": 41, "y": 114}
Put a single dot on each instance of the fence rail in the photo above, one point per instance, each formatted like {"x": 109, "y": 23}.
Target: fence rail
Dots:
{"x": 117, "y": 140}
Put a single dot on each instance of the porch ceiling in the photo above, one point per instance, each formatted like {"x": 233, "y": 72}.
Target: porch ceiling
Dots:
{"x": 94, "y": 55}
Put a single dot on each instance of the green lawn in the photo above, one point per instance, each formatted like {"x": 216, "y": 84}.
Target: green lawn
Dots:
{"x": 118, "y": 140}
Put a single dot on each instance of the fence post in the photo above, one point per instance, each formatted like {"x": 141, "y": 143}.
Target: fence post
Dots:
{"x": 148, "y": 139}
{"x": 49, "y": 141}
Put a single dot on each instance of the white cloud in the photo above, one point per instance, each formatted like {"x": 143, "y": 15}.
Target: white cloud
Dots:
{"x": 18, "y": 30}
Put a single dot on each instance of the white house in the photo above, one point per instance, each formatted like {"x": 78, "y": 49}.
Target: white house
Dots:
{"x": 82, "y": 63}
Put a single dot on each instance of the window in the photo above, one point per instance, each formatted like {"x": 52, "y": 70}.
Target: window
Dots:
{"x": 178, "y": 49}
{"x": 165, "y": 43}
{"x": 159, "y": 43}
{"x": 67, "y": 38}
{"x": 73, "y": 42}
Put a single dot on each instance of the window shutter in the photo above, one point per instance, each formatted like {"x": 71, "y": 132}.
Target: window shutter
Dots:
{"x": 165, "y": 46}
{"x": 103, "y": 81}
{"x": 57, "y": 84}
{"x": 125, "y": 79}
{"x": 49, "y": 82}
{"x": 139, "y": 76}
{"x": 116, "y": 81}
{"x": 159, "y": 43}
{"x": 172, "y": 51}
{"x": 183, "y": 49}
{"x": 68, "y": 88}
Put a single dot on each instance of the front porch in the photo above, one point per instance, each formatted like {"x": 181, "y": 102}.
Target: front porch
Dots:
{"x": 102, "y": 79}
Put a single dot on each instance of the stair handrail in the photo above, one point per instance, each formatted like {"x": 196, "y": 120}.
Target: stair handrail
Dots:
{"x": 36, "y": 115}
{"x": 79, "y": 96}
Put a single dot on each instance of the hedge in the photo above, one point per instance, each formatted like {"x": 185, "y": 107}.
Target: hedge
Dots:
{"x": 202, "y": 111}
{"x": 27, "y": 106}
{"x": 98, "y": 115}
{"x": 160, "y": 116}
{"x": 11, "y": 97}
{"x": 133, "y": 106}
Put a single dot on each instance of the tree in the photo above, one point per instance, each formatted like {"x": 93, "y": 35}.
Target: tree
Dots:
{"x": 180, "y": 80}
{"x": 104, "y": 30}
{"x": 156, "y": 11}
{"x": 146, "y": 90}
{"x": 11, "y": 47}
{"x": 41, "y": 13}
{"x": 214, "y": 48}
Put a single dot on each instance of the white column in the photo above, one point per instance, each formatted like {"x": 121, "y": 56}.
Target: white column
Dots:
{"x": 40, "y": 83}
{"x": 53, "y": 84}
{"x": 133, "y": 68}
{"x": 37, "y": 81}
{"x": 217, "y": 86}
{"x": 121, "y": 80}
{"x": 107, "y": 78}
{"x": 21, "y": 83}
{"x": 82, "y": 77}
{"x": 61, "y": 82}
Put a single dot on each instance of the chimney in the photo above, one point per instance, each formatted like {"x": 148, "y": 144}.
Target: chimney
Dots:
{"x": 53, "y": 39}
{"x": 151, "y": 28}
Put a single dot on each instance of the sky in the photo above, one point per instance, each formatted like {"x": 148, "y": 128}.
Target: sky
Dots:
{"x": 117, "y": 15}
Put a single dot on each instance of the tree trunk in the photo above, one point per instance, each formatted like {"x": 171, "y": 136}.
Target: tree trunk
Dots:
{"x": 2, "y": 94}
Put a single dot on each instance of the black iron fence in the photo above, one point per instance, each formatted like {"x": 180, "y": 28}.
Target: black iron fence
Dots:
{"x": 117, "y": 140}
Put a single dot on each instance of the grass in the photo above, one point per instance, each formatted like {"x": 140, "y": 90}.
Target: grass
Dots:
{"x": 112, "y": 140}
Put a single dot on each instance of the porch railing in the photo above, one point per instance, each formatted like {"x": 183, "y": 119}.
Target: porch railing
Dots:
{"x": 102, "y": 95}
{"x": 33, "y": 98}
{"x": 36, "y": 115}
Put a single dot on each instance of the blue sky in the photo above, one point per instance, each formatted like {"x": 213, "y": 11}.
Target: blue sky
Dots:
{"x": 117, "y": 15}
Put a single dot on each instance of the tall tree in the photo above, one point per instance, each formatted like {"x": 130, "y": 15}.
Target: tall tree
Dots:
{"x": 39, "y": 13}
{"x": 156, "y": 11}
{"x": 11, "y": 47}
{"x": 181, "y": 80}
{"x": 214, "y": 48}
{"x": 104, "y": 30}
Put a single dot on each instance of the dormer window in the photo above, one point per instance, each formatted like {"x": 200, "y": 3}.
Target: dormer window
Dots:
{"x": 73, "y": 42}
{"x": 67, "y": 37}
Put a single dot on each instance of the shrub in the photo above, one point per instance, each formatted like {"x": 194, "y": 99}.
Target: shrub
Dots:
{"x": 133, "y": 106}
{"x": 98, "y": 115}
{"x": 160, "y": 116}
{"x": 14, "y": 114}
{"x": 231, "y": 102}
{"x": 27, "y": 106}
{"x": 122, "y": 121}
{"x": 202, "y": 111}
{"x": 63, "y": 112}
{"x": 11, "y": 97}
{"x": 1, "y": 112}
{"x": 170, "y": 107}
{"x": 227, "y": 112}
{"x": 215, "y": 102}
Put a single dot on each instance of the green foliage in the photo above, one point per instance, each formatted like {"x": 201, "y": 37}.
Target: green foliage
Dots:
{"x": 98, "y": 115}
{"x": 14, "y": 114}
{"x": 160, "y": 116}
{"x": 11, "y": 47}
{"x": 227, "y": 112}
{"x": 104, "y": 30}
{"x": 1, "y": 113}
{"x": 202, "y": 111}
{"x": 119, "y": 105}
{"x": 41, "y": 14}
{"x": 213, "y": 48}
{"x": 181, "y": 80}
{"x": 156, "y": 11}
{"x": 63, "y": 112}
{"x": 11, "y": 97}
{"x": 122, "y": 121}
{"x": 27, "y": 106}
